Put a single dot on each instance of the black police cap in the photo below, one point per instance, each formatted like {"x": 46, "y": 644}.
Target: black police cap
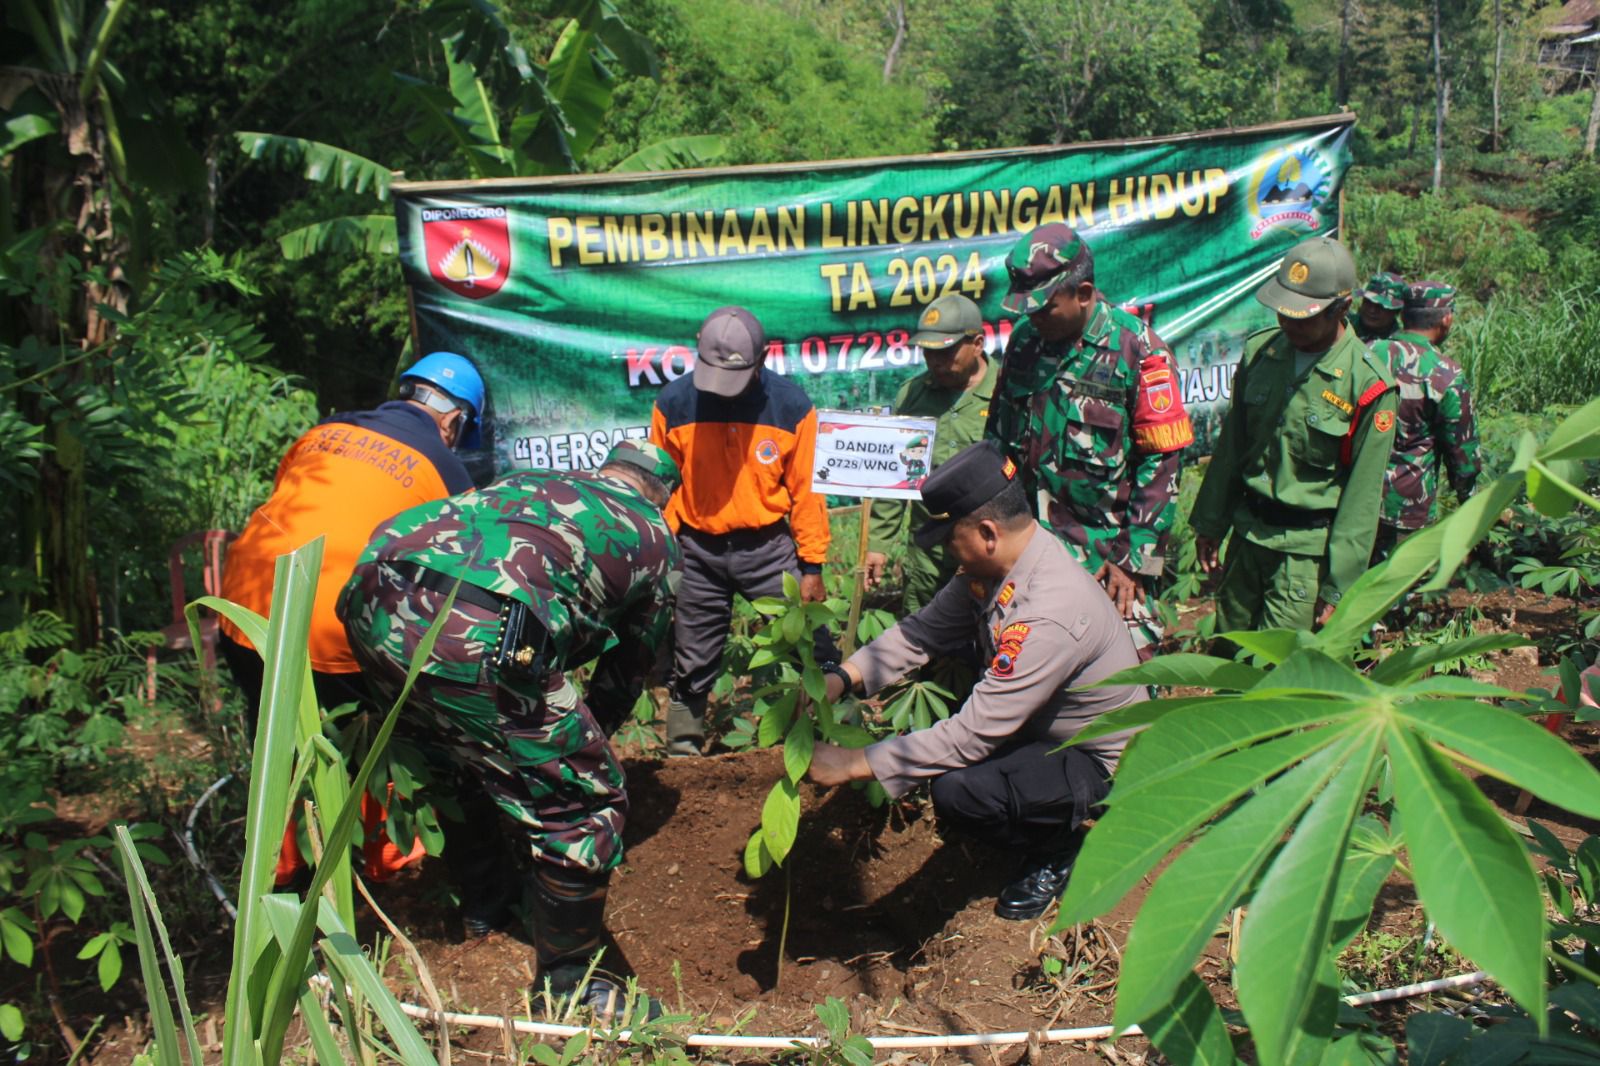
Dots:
{"x": 962, "y": 484}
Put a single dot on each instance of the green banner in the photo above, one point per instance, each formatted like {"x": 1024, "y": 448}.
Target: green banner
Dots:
{"x": 579, "y": 297}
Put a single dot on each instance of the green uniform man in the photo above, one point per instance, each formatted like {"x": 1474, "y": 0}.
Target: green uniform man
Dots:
{"x": 1379, "y": 314}
{"x": 955, "y": 390}
{"x": 1435, "y": 432}
{"x": 1297, "y": 474}
{"x": 549, "y": 571}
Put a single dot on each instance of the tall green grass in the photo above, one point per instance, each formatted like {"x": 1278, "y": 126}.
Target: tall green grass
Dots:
{"x": 1526, "y": 356}
{"x": 274, "y": 960}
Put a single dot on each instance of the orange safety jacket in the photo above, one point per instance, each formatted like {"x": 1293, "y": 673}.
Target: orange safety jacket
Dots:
{"x": 746, "y": 460}
{"x": 339, "y": 481}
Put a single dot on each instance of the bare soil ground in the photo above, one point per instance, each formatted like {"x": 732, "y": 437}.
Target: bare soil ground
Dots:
{"x": 883, "y": 913}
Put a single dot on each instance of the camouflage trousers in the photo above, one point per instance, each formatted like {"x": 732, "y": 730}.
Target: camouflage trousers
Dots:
{"x": 533, "y": 747}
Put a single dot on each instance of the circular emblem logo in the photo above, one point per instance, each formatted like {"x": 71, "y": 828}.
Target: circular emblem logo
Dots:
{"x": 931, "y": 317}
{"x": 767, "y": 452}
{"x": 1298, "y": 273}
{"x": 1288, "y": 187}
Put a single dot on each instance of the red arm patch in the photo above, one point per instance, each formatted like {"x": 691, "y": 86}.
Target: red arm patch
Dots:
{"x": 1160, "y": 424}
{"x": 1008, "y": 649}
{"x": 1366, "y": 400}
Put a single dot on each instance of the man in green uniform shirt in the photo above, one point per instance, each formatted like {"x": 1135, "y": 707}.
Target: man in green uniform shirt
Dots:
{"x": 955, "y": 390}
{"x": 1297, "y": 474}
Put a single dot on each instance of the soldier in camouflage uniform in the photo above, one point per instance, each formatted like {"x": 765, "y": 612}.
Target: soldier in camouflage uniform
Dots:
{"x": 1088, "y": 406}
{"x": 1434, "y": 426}
{"x": 955, "y": 391}
{"x": 1379, "y": 314}
{"x": 1297, "y": 474}
{"x": 554, "y": 569}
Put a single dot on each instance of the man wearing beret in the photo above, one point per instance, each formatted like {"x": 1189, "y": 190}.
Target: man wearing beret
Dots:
{"x": 1297, "y": 473}
{"x": 549, "y": 570}
{"x": 955, "y": 390}
{"x": 1088, "y": 405}
{"x": 1434, "y": 427}
{"x": 1381, "y": 302}
{"x": 746, "y": 441}
{"x": 1048, "y": 633}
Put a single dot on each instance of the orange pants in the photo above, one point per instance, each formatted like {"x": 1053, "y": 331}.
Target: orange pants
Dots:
{"x": 383, "y": 859}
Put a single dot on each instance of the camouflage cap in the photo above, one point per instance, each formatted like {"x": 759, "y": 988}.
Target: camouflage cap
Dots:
{"x": 1431, "y": 295}
{"x": 1317, "y": 272}
{"x": 947, "y": 321}
{"x": 650, "y": 458}
{"x": 1388, "y": 291}
{"x": 1041, "y": 262}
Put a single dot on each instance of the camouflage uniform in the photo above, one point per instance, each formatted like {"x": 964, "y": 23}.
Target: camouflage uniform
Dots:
{"x": 1096, "y": 425}
{"x": 961, "y": 416}
{"x": 592, "y": 559}
{"x": 1388, "y": 291}
{"x": 1434, "y": 426}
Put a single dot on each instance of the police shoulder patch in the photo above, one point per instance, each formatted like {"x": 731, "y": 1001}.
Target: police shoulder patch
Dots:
{"x": 1008, "y": 649}
{"x": 1006, "y": 593}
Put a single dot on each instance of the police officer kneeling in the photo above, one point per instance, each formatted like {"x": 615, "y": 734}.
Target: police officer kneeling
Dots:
{"x": 996, "y": 766}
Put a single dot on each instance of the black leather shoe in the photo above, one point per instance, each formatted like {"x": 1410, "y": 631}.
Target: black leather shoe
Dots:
{"x": 1041, "y": 883}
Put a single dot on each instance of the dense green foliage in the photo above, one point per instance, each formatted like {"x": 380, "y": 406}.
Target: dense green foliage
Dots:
{"x": 159, "y": 349}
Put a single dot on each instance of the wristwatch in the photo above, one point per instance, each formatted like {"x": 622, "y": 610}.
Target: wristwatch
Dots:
{"x": 841, "y": 673}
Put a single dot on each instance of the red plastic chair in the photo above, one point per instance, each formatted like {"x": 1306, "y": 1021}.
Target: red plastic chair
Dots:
{"x": 213, "y": 544}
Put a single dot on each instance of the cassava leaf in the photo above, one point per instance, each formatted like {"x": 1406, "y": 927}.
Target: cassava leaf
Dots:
{"x": 1511, "y": 747}
{"x": 1134, "y": 835}
{"x": 1185, "y": 905}
{"x": 1286, "y": 927}
{"x": 1471, "y": 871}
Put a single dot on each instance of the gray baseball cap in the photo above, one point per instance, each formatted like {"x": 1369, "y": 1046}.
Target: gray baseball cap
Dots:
{"x": 947, "y": 321}
{"x": 730, "y": 348}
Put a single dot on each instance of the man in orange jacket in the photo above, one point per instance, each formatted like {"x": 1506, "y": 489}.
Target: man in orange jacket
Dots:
{"x": 745, "y": 440}
{"x": 339, "y": 481}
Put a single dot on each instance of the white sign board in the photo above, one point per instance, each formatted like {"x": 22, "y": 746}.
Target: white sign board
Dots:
{"x": 872, "y": 455}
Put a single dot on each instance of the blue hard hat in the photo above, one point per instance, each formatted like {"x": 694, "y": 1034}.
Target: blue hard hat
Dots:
{"x": 455, "y": 376}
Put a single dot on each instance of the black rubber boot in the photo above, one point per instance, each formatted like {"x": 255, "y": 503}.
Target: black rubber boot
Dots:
{"x": 483, "y": 874}
{"x": 686, "y": 727}
{"x": 569, "y": 924}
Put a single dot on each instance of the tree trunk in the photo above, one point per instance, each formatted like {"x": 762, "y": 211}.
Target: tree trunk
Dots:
{"x": 1343, "y": 93}
{"x": 64, "y": 552}
{"x": 1594, "y": 122}
{"x": 896, "y": 17}
{"x": 1499, "y": 48}
{"x": 1438, "y": 104}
